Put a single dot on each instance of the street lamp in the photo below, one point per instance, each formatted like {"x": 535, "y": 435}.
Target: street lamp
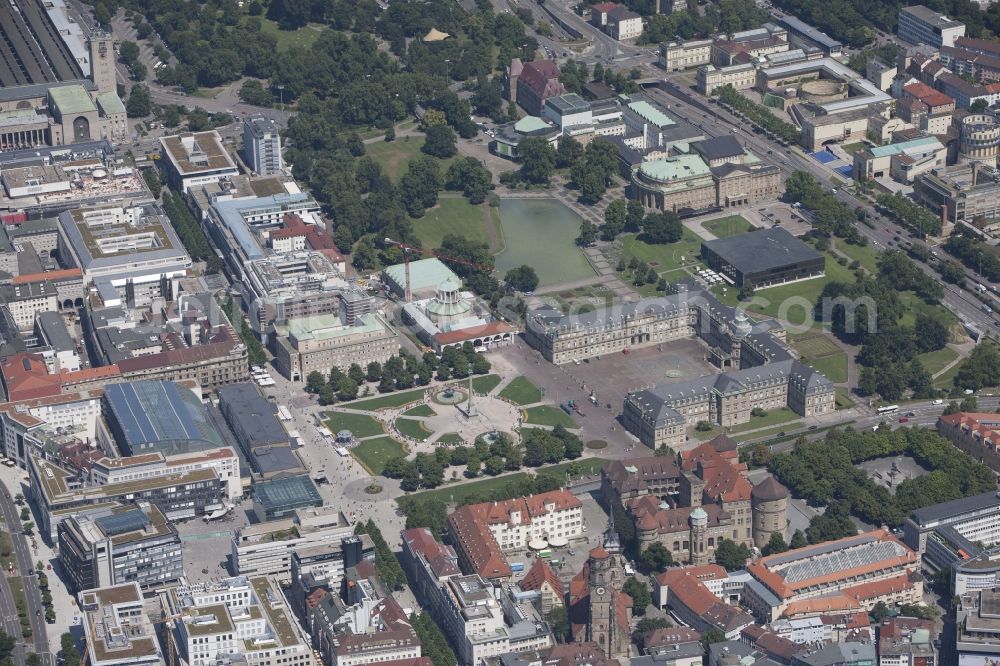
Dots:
{"x": 447, "y": 69}
{"x": 281, "y": 96}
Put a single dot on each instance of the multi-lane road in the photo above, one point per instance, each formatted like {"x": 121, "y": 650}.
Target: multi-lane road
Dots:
{"x": 26, "y": 566}
{"x": 717, "y": 121}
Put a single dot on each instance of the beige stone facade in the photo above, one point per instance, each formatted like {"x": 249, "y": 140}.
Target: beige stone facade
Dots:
{"x": 323, "y": 342}
{"x": 675, "y": 56}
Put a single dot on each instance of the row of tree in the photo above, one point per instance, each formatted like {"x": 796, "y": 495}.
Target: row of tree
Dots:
{"x": 386, "y": 563}
{"x": 966, "y": 246}
{"x": 398, "y": 373}
{"x": 829, "y": 216}
{"x": 190, "y": 232}
{"x": 702, "y": 21}
{"x": 757, "y": 114}
{"x": 905, "y": 212}
{"x": 825, "y": 473}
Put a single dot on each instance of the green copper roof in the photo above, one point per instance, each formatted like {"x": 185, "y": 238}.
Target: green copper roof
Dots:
{"x": 72, "y": 99}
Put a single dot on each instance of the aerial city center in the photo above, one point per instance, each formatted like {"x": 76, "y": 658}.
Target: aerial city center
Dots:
{"x": 499, "y": 333}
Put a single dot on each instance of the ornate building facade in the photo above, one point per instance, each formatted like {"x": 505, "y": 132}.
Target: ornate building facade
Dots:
{"x": 600, "y": 612}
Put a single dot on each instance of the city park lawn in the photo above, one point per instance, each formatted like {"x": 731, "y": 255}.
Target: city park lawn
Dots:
{"x": 460, "y": 491}
{"x": 521, "y": 392}
{"x": 452, "y": 215}
{"x": 373, "y": 453}
{"x": 935, "y": 361}
{"x": 792, "y": 302}
{"x": 387, "y": 400}
{"x": 866, "y": 255}
{"x": 843, "y": 397}
{"x": 548, "y": 416}
{"x": 663, "y": 258}
{"x": 450, "y": 438}
{"x": 821, "y": 353}
{"x": 413, "y": 428}
{"x": 773, "y": 417}
{"x": 304, "y": 37}
{"x": 394, "y": 156}
{"x": 486, "y": 383}
{"x": 731, "y": 225}
{"x": 420, "y": 410}
{"x": 360, "y": 425}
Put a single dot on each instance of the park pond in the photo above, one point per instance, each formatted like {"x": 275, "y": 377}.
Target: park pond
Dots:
{"x": 541, "y": 233}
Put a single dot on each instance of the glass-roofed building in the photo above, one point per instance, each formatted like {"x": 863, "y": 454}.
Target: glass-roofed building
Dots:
{"x": 121, "y": 544}
{"x": 158, "y": 417}
{"x": 278, "y": 498}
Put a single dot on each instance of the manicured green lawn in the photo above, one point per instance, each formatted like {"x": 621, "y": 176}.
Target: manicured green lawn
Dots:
{"x": 413, "y": 428}
{"x": 730, "y": 225}
{"x": 664, "y": 257}
{"x": 360, "y": 425}
{"x": 486, "y": 383}
{"x": 373, "y": 453}
{"x": 521, "y": 392}
{"x": 936, "y": 360}
{"x": 851, "y": 148}
{"x": 458, "y": 492}
{"x": 791, "y": 302}
{"x": 450, "y": 216}
{"x": 387, "y": 400}
{"x": 394, "y": 156}
{"x": 450, "y": 438}
{"x": 833, "y": 366}
{"x": 550, "y": 416}
{"x": 813, "y": 345}
{"x": 304, "y": 37}
{"x": 774, "y": 417}
{"x": 420, "y": 410}
{"x": 865, "y": 255}
{"x": 843, "y": 397}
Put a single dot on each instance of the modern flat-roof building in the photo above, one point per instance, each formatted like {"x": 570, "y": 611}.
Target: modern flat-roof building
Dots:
{"x": 264, "y": 441}
{"x": 28, "y": 425}
{"x": 196, "y": 158}
{"x": 262, "y": 145}
{"x": 903, "y": 161}
{"x": 117, "y": 627}
{"x": 225, "y": 461}
{"x": 977, "y": 627}
{"x": 124, "y": 544}
{"x": 961, "y": 193}
{"x": 803, "y": 35}
{"x": 976, "y": 518}
{"x": 244, "y": 619}
{"x": 60, "y": 494}
{"x": 317, "y": 538}
{"x": 133, "y": 250}
{"x": 763, "y": 258}
{"x": 62, "y": 351}
{"x": 869, "y": 567}
{"x": 918, "y": 24}
{"x": 282, "y": 496}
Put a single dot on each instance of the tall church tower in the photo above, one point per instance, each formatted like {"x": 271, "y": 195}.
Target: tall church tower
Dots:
{"x": 607, "y": 576}
{"x": 102, "y": 62}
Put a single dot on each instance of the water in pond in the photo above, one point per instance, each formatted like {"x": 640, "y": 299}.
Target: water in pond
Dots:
{"x": 541, "y": 233}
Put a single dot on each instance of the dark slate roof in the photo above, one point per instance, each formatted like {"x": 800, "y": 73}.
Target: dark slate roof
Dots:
{"x": 769, "y": 490}
{"x": 762, "y": 250}
{"x": 719, "y": 147}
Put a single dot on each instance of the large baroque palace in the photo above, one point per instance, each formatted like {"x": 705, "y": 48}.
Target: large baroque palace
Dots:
{"x": 758, "y": 370}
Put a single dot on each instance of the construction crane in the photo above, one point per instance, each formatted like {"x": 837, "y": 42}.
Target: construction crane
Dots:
{"x": 408, "y": 249}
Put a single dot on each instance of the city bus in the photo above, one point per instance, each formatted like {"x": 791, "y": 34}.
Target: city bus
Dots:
{"x": 888, "y": 409}
{"x": 545, "y": 553}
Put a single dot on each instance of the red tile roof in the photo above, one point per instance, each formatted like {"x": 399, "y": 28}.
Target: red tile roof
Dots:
{"x": 604, "y": 7}
{"x": 541, "y": 573}
{"x": 54, "y": 276}
{"x": 927, "y": 95}
{"x": 441, "y": 558}
{"x": 542, "y": 76}
{"x": 579, "y": 603}
{"x": 461, "y": 335}
{"x": 25, "y": 376}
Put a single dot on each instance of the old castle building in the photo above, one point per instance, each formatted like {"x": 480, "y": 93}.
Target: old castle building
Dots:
{"x": 691, "y": 506}
{"x": 758, "y": 369}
